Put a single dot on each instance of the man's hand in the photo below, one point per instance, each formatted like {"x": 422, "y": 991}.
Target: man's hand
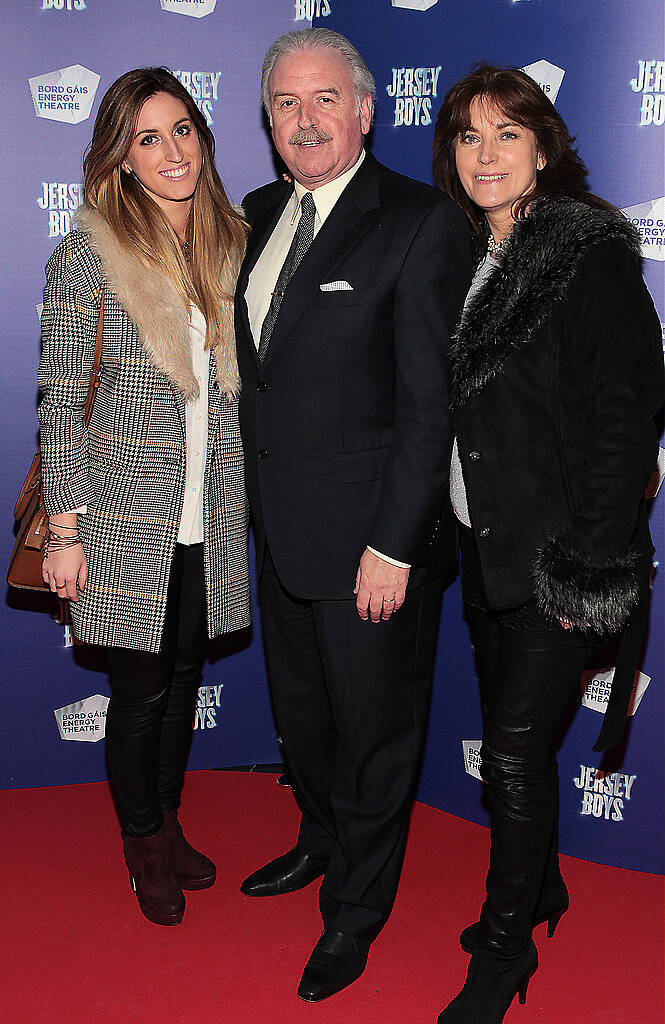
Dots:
{"x": 380, "y": 587}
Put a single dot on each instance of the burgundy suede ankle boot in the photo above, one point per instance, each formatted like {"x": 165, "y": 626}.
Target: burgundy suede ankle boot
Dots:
{"x": 153, "y": 878}
{"x": 193, "y": 870}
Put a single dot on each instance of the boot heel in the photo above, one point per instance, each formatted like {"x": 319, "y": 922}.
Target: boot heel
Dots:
{"x": 553, "y": 921}
{"x": 521, "y": 992}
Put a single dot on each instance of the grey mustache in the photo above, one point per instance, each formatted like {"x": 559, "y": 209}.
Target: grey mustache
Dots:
{"x": 298, "y": 138}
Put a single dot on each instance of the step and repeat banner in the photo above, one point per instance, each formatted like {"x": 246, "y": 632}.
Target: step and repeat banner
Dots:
{"x": 602, "y": 65}
{"x": 604, "y": 69}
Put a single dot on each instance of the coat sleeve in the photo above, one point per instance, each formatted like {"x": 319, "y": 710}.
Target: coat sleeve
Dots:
{"x": 612, "y": 341}
{"x": 67, "y": 358}
{"x": 429, "y": 295}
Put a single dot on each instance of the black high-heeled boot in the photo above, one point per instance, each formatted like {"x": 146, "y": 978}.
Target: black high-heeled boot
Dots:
{"x": 552, "y": 905}
{"x": 492, "y": 982}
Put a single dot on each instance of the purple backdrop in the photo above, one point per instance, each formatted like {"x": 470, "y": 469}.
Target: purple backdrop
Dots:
{"x": 604, "y": 68}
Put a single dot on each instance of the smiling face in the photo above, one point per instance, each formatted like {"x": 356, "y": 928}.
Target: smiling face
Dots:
{"x": 165, "y": 155}
{"x": 316, "y": 124}
{"x": 497, "y": 163}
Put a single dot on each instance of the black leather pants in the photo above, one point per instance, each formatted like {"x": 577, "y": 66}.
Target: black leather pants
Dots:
{"x": 528, "y": 683}
{"x": 150, "y": 715}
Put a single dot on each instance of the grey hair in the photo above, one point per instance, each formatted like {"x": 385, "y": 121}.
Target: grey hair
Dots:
{"x": 301, "y": 41}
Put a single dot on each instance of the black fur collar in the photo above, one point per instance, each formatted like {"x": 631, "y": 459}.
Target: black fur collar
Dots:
{"x": 534, "y": 268}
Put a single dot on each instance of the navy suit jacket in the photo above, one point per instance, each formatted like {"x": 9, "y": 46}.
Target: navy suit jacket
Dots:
{"x": 345, "y": 426}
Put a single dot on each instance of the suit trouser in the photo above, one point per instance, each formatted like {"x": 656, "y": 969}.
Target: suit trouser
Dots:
{"x": 150, "y": 717}
{"x": 351, "y": 699}
{"x": 529, "y": 681}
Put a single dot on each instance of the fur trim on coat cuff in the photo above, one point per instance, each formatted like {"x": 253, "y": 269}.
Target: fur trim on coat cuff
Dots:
{"x": 593, "y": 596}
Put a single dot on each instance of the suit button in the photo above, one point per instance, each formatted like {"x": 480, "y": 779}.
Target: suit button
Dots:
{"x": 263, "y": 453}
{"x": 485, "y": 532}
{"x": 262, "y": 386}
{"x": 474, "y": 456}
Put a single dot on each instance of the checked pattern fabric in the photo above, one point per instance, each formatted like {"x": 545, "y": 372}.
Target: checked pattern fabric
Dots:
{"x": 299, "y": 246}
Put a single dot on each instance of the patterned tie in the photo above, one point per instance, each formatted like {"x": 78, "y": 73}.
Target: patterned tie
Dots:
{"x": 299, "y": 246}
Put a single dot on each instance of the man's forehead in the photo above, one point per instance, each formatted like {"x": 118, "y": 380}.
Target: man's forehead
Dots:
{"x": 313, "y": 69}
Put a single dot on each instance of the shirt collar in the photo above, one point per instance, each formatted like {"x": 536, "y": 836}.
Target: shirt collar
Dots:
{"x": 325, "y": 196}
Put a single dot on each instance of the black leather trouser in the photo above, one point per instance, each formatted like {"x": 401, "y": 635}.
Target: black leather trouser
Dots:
{"x": 529, "y": 681}
{"x": 150, "y": 716}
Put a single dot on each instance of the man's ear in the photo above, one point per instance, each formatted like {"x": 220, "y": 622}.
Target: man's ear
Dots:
{"x": 366, "y": 106}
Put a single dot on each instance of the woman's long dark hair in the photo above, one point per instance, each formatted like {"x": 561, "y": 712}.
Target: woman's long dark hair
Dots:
{"x": 523, "y": 102}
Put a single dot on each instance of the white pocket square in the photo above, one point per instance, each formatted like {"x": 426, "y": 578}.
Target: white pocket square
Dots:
{"x": 336, "y": 286}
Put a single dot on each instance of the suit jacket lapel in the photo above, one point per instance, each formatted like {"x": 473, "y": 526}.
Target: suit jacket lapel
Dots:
{"x": 351, "y": 217}
{"x": 261, "y": 231}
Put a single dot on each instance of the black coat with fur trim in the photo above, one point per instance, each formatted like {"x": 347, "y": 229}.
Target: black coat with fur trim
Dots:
{"x": 557, "y": 375}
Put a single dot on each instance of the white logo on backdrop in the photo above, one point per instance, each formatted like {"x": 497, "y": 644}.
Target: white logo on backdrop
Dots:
{"x": 84, "y": 720}
{"x": 308, "y": 9}
{"x": 207, "y": 706}
{"x": 650, "y": 81}
{"x": 414, "y": 5}
{"x": 65, "y": 95}
{"x": 413, "y": 90}
{"x": 656, "y": 476}
{"x": 649, "y": 218}
{"x": 548, "y": 76}
{"x": 596, "y": 687}
{"x": 604, "y": 793}
{"x": 64, "y": 5}
{"x": 60, "y": 199}
{"x": 203, "y": 87}
{"x": 472, "y": 760}
{"x": 192, "y": 8}
{"x": 40, "y": 309}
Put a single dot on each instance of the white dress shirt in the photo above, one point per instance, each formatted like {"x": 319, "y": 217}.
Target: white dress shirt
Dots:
{"x": 263, "y": 277}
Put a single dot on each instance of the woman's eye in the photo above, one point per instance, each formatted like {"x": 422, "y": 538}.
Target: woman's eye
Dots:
{"x": 468, "y": 139}
{"x": 148, "y": 140}
{"x": 509, "y": 135}
{"x": 183, "y": 130}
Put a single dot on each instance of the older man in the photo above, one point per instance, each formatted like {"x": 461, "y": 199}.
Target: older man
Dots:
{"x": 353, "y": 280}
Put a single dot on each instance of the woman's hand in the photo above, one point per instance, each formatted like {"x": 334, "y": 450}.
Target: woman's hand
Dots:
{"x": 64, "y": 566}
{"x": 63, "y": 570}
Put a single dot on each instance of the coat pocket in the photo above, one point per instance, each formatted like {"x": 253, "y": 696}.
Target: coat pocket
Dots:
{"x": 354, "y": 467}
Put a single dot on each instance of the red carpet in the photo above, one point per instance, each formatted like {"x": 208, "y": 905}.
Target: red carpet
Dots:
{"x": 77, "y": 950}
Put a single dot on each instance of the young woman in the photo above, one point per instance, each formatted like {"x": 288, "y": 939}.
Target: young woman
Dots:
{"x": 556, "y": 376}
{"x": 146, "y": 507}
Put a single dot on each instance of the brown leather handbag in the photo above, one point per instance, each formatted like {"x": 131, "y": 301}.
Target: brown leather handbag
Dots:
{"x": 25, "y": 563}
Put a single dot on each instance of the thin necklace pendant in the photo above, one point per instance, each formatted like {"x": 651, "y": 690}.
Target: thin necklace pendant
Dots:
{"x": 186, "y": 251}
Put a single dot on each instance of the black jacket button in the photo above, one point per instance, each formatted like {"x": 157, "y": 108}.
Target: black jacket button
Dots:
{"x": 263, "y": 386}
{"x": 485, "y": 532}
{"x": 474, "y": 456}
{"x": 263, "y": 453}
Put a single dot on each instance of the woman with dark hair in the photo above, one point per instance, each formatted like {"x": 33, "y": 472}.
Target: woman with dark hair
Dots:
{"x": 556, "y": 377}
{"x": 146, "y": 506}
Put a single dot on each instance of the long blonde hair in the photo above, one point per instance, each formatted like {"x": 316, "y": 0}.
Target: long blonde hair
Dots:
{"x": 216, "y": 232}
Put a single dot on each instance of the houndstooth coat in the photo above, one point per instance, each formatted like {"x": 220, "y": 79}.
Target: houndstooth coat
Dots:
{"x": 128, "y": 468}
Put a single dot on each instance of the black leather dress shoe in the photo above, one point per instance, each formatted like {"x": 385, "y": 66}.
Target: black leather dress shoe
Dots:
{"x": 337, "y": 960}
{"x": 288, "y": 873}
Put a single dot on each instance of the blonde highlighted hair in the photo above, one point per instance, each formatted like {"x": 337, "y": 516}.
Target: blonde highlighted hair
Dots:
{"x": 216, "y": 232}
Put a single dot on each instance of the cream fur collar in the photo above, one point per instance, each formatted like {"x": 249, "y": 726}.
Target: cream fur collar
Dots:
{"x": 154, "y": 305}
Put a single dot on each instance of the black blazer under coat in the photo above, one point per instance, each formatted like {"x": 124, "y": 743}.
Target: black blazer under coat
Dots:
{"x": 346, "y": 426}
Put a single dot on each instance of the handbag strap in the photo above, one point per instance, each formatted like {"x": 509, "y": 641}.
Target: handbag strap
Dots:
{"x": 96, "y": 375}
